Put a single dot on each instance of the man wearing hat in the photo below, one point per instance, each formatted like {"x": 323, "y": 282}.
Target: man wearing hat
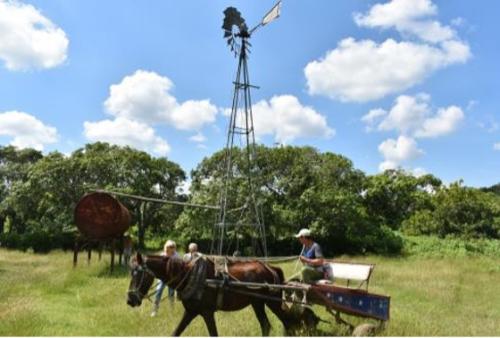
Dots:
{"x": 311, "y": 256}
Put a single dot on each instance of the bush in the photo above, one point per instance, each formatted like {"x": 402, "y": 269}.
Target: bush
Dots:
{"x": 421, "y": 223}
{"x": 39, "y": 241}
{"x": 432, "y": 246}
{"x": 466, "y": 212}
{"x": 12, "y": 241}
{"x": 386, "y": 242}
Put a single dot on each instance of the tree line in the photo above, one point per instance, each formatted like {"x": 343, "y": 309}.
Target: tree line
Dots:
{"x": 348, "y": 211}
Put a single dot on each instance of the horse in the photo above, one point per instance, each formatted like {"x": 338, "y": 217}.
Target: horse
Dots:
{"x": 174, "y": 272}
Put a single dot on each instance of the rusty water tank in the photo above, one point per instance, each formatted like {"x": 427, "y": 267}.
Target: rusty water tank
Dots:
{"x": 99, "y": 215}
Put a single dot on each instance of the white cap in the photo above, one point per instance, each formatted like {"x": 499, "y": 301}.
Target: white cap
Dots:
{"x": 303, "y": 233}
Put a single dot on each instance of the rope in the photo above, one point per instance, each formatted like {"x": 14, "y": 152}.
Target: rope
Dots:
{"x": 258, "y": 295}
{"x": 280, "y": 259}
{"x": 298, "y": 259}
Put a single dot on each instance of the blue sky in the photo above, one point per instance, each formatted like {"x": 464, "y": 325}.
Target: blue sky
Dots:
{"x": 386, "y": 83}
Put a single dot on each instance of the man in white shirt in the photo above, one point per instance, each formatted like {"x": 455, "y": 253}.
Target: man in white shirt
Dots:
{"x": 192, "y": 253}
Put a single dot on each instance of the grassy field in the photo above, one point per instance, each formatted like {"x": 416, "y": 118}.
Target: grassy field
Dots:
{"x": 43, "y": 295}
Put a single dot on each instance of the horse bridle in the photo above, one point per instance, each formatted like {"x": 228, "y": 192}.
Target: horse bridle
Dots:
{"x": 137, "y": 289}
{"x": 143, "y": 267}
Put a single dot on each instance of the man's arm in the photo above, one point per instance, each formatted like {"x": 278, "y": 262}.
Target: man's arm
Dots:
{"x": 312, "y": 261}
{"x": 318, "y": 261}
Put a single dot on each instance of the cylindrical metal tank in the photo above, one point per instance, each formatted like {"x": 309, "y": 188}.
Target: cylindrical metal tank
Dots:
{"x": 100, "y": 216}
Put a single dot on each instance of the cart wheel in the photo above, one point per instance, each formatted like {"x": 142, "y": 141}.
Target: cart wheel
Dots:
{"x": 365, "y": 330}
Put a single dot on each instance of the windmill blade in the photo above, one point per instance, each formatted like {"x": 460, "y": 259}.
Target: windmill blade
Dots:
{"x": 232, "y": 17}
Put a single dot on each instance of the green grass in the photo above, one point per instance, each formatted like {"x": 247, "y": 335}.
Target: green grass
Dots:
{"x": 44, "y": 295}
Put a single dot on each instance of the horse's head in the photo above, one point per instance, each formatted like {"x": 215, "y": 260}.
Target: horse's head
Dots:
{"x": 142, "y": 279}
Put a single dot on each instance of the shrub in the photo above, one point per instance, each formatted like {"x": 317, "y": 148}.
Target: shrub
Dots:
{"x": 432, "y": 246}
{"x": 422, "y": 222}
{"x": 11, "y": 240}
{"x": 40, "y": 241}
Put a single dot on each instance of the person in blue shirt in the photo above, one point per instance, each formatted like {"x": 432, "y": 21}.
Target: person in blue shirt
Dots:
{"x": 311, "y": 256}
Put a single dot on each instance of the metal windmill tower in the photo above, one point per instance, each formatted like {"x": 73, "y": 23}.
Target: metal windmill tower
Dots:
{"x": 249, "y": 217}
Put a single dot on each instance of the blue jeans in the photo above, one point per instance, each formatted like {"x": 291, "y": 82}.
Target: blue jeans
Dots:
{"x": 159, "y": 292}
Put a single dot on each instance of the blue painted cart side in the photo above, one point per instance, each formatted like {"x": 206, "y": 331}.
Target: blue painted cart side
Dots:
{"x": 352, "y": 301}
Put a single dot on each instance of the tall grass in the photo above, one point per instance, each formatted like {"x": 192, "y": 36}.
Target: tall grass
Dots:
{"x": 44, "y": 295}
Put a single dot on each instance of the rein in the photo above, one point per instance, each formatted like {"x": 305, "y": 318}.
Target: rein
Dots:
{"x": 144, "y": 267}
{"x": 137, "y": 290}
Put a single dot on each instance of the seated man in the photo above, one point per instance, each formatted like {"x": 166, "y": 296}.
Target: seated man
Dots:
{"x": 311, "y": 256}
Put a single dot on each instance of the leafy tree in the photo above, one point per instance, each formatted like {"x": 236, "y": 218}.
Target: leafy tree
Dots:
{"x": 494, "y": 189}
{"x": 460, "y": 211}
{"x": 298, "y": 187}
{"x": 14, "y": 167}
{"x": 395, "y": 195}
{"x": 44, "y": 200}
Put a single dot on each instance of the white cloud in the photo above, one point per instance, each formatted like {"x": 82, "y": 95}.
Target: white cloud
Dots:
{"x": 407, "y": 114}
{"x": 496, "y": 146}
{"x": 198, "y": 138}
{"x": 418, "y": 172}
{"x": 29, "y": 40}
{"x": 373, "y": 115}
{"x": 184, "y": 187}
{"x": 458, "y": 22}
{"x": 398, "y": 151}
{"x": 471, "y": 104}
{"x": 287, "y": 119}
{"x": 145, "y": 96}
{"x": 446, "y": 121}
{"x": 192, "y": 115}
{"x": 412, "y": 115}
{"x": 122, "y": 131}
{"x": 365, "y": 70}
{"x": 407, "y": 17}
{"x": 27, "y": 131}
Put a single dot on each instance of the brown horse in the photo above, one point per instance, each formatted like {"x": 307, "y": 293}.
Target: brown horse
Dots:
{"x": 174, "y": 271}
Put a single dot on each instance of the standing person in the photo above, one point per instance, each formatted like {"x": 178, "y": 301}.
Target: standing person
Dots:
{"x": 311, "y": 256}
{"x": 192, "y": 253}
{"x": 127, "y": 249}
{"x": 169, "y": 250}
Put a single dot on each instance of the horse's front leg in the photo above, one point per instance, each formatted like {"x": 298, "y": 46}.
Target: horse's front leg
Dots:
{"x": 209, "y": 319}
{"x": 186, "y": 319}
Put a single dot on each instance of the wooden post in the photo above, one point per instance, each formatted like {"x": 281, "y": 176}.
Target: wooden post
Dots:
{"x": 89, "y": 253}
{"x": 120, "y": 251}
{"x": 141, "y": 229}
{"x": 100, "y": 250}
{"x": 76, "y": 248}
{"x": 112, "y": 254}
